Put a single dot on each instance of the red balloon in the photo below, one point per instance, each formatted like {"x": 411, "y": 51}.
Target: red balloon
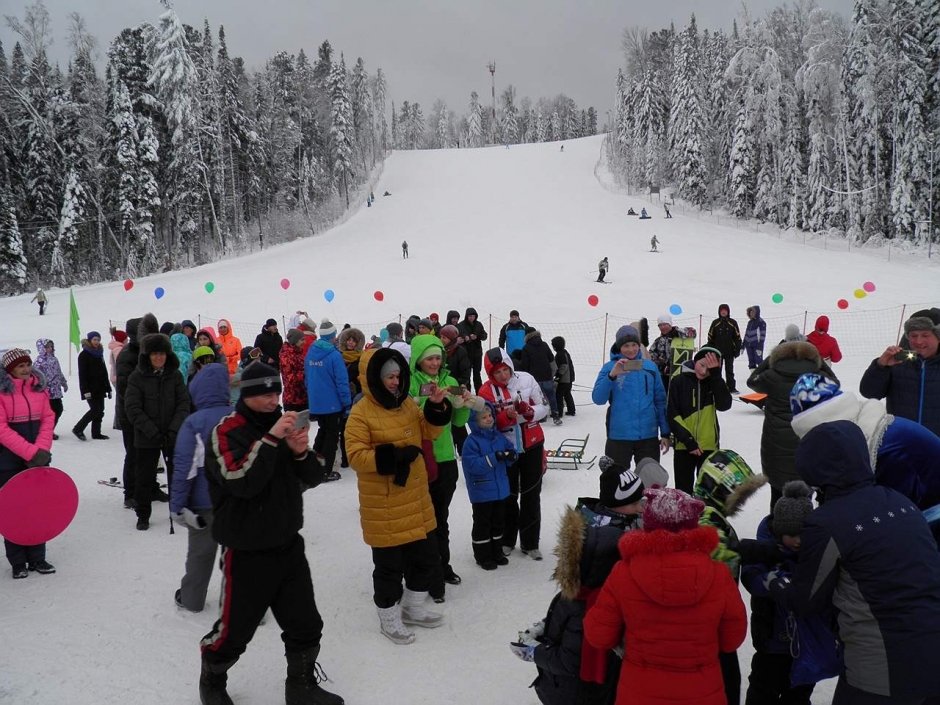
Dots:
{"x": 128, "y": 284}
{"x": 378, "y": 296}
{"x": 593, "y": 300}
{"x": 842, "y": 303}
{"x": 37, "y": 505}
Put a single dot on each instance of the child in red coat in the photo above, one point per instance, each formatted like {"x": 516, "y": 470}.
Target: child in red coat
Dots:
{"x": 827, "y": 346}
{"x": 671, "y": 606}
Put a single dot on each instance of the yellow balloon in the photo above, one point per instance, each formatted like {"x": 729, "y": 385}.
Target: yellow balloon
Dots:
{"x": 860, "y": 294}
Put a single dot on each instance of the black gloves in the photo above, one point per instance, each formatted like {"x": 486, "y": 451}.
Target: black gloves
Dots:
{"x": 41, "y": 459}
{"x": 754, "y": 551}
{"x": 404, "y": 457}
{"x": 508, "y": 455}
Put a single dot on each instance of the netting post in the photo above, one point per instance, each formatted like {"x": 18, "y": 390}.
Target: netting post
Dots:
{"x": 198, "y": 320}
{"x": 284, "y": 324}
{"x": 805, "y": 315}
{"x": 489, "y": 327}
{"x": 701, "y": 323}
{"x": 901, "y": 323}
{"x": 604, "y": 349}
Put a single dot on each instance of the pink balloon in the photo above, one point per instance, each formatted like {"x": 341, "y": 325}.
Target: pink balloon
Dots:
{"x": 593, "y": 300}
{"x": 37, "y": 505}
{"x": 868, "y": 286}
{"x": 285, "y": 284}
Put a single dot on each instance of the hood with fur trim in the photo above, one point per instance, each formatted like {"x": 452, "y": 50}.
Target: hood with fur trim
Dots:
{"x": 586, "y": 554}
{"x": 353, "y": 333}
{"x": 145, "y": 326}
{"x": 795, "y": 350}
{"x": 370, "y": 378}
{"x": 36, "y": 379}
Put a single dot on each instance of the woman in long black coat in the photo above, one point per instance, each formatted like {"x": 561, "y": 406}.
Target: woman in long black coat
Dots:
{"x": 94, "y": 384}
{"x": 156, "y": 403}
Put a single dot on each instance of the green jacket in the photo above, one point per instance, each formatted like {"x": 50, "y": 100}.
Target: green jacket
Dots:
{"x": 726, "y": 535}
{"x": 443, "y": 444}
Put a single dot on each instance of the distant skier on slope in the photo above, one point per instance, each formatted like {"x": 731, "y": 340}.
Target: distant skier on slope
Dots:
{"x": 602, "y": 267}
{"x": 653, "y": 244}
{"x": 404, "y": 249}
{"x": 666, "y": 208}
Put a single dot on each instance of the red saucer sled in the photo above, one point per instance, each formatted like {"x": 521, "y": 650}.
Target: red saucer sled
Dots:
{"x": 756, "y": 398}
{"x": 36, "y": 505}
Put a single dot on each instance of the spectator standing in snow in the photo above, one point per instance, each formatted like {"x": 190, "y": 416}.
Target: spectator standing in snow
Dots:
{"x": 564, "y": 377}
{"x": 725, "y": 335}
{"x": 270, "y": 343}
{"x": 473, "y": 333}
{"x": 666, "y": 208}
{"x": 188, "y": 328}
{"x": 909, "y": 382}
{"x": 48, "y": 364}
{"x": 602, "y": 267}
{"x": 384, "y": 435}
{"x": 94, "y": 384}
{"x": 537, "y": 359}
{"x": 180, "y": 344}
{"x": 396, "y": 340}
{"x": 327, "y": 394}
{"x": 258, "y": 464}
{"x": 115, "y": 346}
{"x": 661, "y": 349}
{"x": 26, "y": 422}
{"x": 404, "y": 244}
{"x": 512, "y": 334}
{"x": 754, "y": 336}
{"x": 230, "y": 346}
{"x": 40, "y": 298}
{"x": 189, "y": 494}
{"x": 827, "y": 346}
{"x": 867, "y": 552}
{"x": 637, "y": 423}
{"x": 292, "y": 372}
{"x": 791, "y": 334}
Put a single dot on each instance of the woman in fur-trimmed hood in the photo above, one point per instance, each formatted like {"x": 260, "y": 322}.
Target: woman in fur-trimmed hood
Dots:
{"x": 775, "y": 377}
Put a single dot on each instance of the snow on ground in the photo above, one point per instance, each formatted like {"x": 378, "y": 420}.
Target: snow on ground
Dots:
{"x": 492, "y": 228}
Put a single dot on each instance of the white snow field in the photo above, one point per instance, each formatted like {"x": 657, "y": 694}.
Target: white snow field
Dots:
{"x": 492, "y": 228}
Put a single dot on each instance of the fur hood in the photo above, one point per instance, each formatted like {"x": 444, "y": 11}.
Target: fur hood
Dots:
{"x": 354, "y": 333}
{"x": 147, "y": 325}
{"x": 742, "y": 493}
{"x": 586, "y": 555}
{"x": 156, "y": 342}
{"x": 532, "y": 334}
{"x": 36, "y": 377}
{"x": 795, "y": 350}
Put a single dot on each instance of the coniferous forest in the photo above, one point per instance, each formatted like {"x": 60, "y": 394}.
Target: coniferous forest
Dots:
{"x": 801, "y": 118}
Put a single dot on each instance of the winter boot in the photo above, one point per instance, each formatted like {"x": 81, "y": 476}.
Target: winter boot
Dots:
{"x": 497, "y": 552}
{"x": 212, "y": 682}
{"x": 392, "y": 627}
{"x": 304, "y": 676}
{"x": 483, "y": 555}
{"x": 414, "y": 610}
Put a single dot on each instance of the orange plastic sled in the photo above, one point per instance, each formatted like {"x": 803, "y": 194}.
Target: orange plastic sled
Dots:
{"x": 757, "y": 399}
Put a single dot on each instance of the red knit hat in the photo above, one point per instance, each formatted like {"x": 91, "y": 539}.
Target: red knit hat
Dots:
{"x": 671, "y": 509}
{"x": 13, "y": 357}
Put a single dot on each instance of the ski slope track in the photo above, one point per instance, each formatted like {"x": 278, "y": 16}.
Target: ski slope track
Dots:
{"x": 491, "y": 228}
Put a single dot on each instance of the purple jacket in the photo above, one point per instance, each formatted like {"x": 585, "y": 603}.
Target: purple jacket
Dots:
{"x": 49, "y": 366}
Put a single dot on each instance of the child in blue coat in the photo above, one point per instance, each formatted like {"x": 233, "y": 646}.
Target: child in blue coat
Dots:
{"x": 486, "y": 455}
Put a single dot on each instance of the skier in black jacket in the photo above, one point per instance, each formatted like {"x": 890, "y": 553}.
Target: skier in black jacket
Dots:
{"x": 725, "y": 336}
{"x": 258, "y": 463}
{"x": 473, "y": 333}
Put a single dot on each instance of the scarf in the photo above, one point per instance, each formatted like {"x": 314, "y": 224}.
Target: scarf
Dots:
{"x": 97, "y": 352}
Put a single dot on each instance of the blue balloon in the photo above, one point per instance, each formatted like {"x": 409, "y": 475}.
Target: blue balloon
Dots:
{"x": 328, "y": 295}
{"x": 383, "y": 334}
{"x": 159, "y": 292}
{"x": 675, "y": 309}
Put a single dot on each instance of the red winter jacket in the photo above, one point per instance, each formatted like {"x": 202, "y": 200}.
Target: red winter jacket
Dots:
{"x": 827, "y": 346}
{"x": 673, "y": 609}
{"x": 292, "y": 375}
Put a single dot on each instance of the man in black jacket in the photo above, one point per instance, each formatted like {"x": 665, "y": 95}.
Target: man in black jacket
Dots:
{"x": 269, "y": 341}
{"x": 537, "y": 359}
{"x": 258, "y": 463}
{"x": 473, "y": 333}
{"x": 725, "y": 336}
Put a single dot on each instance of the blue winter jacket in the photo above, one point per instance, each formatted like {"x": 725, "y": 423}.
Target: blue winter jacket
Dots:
{"x": 210, "y": 394}
{"x": 909, "y": 462}
{"x": 756, "y": 331}
{"x": 327, "y": 379}
{"x": 485, "y": 474}
{"x": 910, "y": 390}
{"x": 637, "y": 401}
{"x": 868, "y": 552}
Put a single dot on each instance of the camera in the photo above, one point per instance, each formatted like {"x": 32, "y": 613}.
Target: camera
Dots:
{"x": 905, "y": 355}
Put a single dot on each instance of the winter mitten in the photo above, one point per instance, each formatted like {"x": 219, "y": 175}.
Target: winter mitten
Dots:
{"x": 524, "y": 410}
{"x": 774, "y": 577}
{"x": 401, "y": 475}
{"x": 406, "y": 454}
{"x": 526, "y": 652}
{"x": 605, "y": 462}
{"x": 42, "y": 458}
{"x": 191, "y": 519}
{"x": 456, "y": 401}
{"x": 532, "y": 634}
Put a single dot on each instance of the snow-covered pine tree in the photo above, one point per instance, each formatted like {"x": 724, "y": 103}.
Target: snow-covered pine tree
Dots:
{"x": 541, "y": 133}
{"x": 442, "y": 126}
{"x": 686, "y": 124}
{"x": 70, "y": 220}
{"x": 741, "y": 166}
{"x": 13, "y": 268}
{"x": 510, "y": 121}
{"x": 340, "y": 128}
{"x": 557, "y": 130}
{"x": 474, "y": 122}
{"x": 379, "y": 98}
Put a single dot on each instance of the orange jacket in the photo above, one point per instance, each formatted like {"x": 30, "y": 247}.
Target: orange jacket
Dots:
{"x": 231, "y": 346}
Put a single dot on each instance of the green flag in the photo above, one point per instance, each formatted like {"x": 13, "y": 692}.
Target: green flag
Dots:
{"x": 75, "y": 337}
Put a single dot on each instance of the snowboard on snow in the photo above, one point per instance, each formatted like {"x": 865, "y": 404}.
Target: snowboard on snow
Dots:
{"x": 114, "y": 482}
{"x": 682, "y": 351}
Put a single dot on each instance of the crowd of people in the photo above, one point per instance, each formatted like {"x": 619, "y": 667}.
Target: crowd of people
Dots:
{"x": 649, "y": 609}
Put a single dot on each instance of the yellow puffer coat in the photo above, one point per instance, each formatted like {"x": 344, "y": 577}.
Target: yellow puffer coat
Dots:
{"x": 390, "y": 515}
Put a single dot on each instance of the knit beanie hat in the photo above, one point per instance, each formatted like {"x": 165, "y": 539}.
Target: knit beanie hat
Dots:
{"x": 394, "y": 330}
{"x": 294, "y": 336}
{"x": 92, "y": 334}
{"x": 203, "y": 351}
{"x": 13, "y": 357}
{"x": 120, "y": 336}
{"x": 792, "y": 333}
{"x": 258, "y": 378}
{"x": 792, "y": 508}
{"x": 704, "y": 350}
{"x": 389, "y": 367}
{"x": 425, "y": 323}
{"x": 921, "y": 323}
{"x": 811, "y": 389}
{"x": 432, "y": 350}
{"x": 327, "y": 330}
{"x": 435, "y": 317}
{"x": 664, "y": 318}
{"x": 671, "y": 509}
{"x": 270, "y": 322}
{"x": 620, "y": 486}
{"x": 450, "y": 332}
{"x": 627, "y": 334}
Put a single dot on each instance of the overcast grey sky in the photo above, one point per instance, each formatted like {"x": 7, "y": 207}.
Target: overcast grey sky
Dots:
{"x": 427, "y": 48}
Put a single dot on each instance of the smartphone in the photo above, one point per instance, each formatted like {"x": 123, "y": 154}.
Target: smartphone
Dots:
{"x": 631, "y": 365}
{"x": 905, "y": 355}
{"x": 426, "y": 389}
{"x": 456, "y": 391}
{"x": 302, "y": 420}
